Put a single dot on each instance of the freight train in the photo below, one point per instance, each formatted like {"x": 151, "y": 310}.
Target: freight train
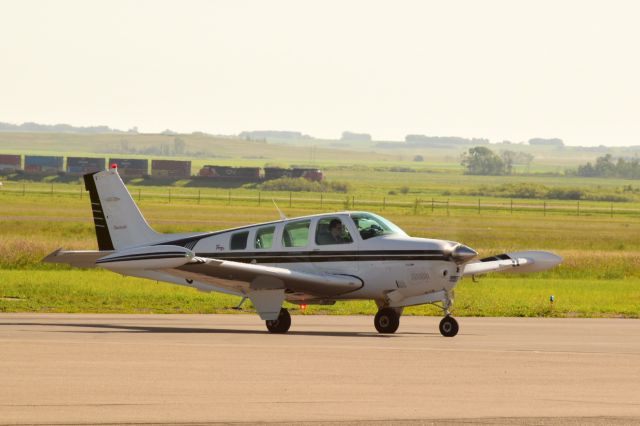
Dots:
{"x": 160, "y": 169}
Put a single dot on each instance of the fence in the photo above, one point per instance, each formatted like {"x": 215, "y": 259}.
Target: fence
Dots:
{"x": 322, "y": 201}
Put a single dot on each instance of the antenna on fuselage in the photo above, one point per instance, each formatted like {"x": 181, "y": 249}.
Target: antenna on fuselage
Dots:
{"x": 282, "y": 215}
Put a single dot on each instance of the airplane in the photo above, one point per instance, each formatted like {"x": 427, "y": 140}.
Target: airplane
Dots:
{"x": 311, "y": 260}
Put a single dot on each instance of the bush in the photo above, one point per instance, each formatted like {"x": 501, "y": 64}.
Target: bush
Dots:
{"x": 304, "y": 185}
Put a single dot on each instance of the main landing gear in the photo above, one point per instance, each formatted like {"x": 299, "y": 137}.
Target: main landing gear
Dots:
{"x": 387, "y": 320}
{"x": 280, "y": 325}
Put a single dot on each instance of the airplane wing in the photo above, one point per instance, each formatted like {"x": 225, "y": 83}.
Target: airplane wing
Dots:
{"x": 517, "y": 262}
{"x": 250, "y": 277}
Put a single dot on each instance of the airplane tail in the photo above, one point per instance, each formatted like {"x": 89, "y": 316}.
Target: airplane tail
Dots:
{"x": 117, "y": 219}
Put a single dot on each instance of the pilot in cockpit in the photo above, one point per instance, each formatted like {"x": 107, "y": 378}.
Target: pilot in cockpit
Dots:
{"x": 335, "y": 234}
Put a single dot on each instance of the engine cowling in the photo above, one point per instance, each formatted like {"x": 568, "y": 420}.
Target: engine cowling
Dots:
{"x": 147, "y": 257}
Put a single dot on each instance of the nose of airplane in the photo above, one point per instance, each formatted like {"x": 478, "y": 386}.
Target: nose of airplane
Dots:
{"x": 462, "y": 253}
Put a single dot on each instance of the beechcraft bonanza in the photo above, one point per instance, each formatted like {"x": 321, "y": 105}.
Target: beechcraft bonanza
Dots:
{"x": 318, "y": 259}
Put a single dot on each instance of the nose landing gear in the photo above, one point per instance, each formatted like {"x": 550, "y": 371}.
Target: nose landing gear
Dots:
{"x": 448, "y": 325}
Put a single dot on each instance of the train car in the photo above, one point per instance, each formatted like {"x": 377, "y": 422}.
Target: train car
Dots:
{"x": 10, "y": 163}
{"x": 170, "y": 169}
{"x": 245, "y": 174}
{"x": 131, "y": 167}
{"x": 309, "y": 174}
{"x": 83, "y": 165}
{"x": 43, "y": 164}
{"x": 276, "y": 173}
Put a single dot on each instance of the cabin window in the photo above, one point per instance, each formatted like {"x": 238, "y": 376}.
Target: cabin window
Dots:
{"x": 239, "y": 240}
{"x": 331, "y": 230}
{"x": 264, "y": 237}
{"x": 296, "y": 234}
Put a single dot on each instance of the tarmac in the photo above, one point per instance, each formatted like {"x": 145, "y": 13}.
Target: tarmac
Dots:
{"x": 202, "y": 369}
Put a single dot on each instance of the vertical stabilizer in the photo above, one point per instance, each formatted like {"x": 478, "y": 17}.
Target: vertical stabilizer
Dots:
{"x": 117, "y": 219}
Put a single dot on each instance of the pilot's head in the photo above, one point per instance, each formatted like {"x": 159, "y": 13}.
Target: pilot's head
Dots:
{"x": 335, "y": 227}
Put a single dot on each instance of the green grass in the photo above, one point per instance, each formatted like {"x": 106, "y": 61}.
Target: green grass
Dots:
{"x": 99, "y": 291}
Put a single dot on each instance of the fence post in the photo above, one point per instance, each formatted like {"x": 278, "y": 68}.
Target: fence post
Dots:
{"x": 432, "y": 204}
{"x": 353, "y": 202}
{"x": 512, "y": 206}
{"x": 24, "y": 189}
{"x": 198, "y": 196}
{"x": 611, "y": 209}
{"x": 478, "y": 205}
{"x": 321, "y": 200}
{"x": 447, "y": 207}
{"x": 578, "y": 208}
{"x": 290, "y": 199}
{"x": 544, "y": 208}
{"x": 169, "y": 195}
{"x": 229, "y": 199}
{"x": 139, "y": 194}
{"x": 52, "y": 189}
{"x": 384, "y": 203}
{"x": 259, "y": 198}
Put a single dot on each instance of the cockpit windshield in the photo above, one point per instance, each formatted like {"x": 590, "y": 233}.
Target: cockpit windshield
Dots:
{"x": 370, "y": 225}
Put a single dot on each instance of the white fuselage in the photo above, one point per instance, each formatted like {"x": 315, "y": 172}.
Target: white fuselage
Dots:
{"x": 397, "y": 263}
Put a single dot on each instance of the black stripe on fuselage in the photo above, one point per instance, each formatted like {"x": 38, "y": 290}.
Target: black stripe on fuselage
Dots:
{"x": 99, "y": 220}
{"x": 327, "y": 256}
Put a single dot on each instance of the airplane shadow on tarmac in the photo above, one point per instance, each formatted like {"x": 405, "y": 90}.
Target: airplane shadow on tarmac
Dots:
{"x": 115, "y": 328}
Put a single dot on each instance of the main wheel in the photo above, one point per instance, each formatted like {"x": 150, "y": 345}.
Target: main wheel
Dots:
{"x": 280, "y": 325}
{"x": 387, "y": 321}
{"x": 448, "y": 326}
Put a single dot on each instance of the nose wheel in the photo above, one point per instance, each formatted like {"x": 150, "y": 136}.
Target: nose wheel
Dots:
{"x": 387, "y": 321}
{"x": 280, "y": 325}
{"x": 448, "y": 326}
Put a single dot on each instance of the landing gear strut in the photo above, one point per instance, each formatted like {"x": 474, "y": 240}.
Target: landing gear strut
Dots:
{"x": 387, "y": 320}
{"x": 280, "y": 325}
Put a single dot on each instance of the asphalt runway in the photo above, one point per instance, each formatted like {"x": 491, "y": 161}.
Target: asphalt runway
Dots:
{"x": 119, "y": 369}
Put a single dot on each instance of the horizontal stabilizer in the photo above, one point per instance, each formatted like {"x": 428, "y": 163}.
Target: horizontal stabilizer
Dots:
{"x": 518, "y": 262}
{"x": 79, "y": 259}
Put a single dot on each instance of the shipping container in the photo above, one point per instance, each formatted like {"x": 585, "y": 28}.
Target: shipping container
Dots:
{"x": 231, "y": 173}
{"x": 42, "y": 164}
{"x": 170, "y": 169}
{"x": 131, "y": 167}
{"x": 84, "y": 165}
{"x": 10, "y": 163}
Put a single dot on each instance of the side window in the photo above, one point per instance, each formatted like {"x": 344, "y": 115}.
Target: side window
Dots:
{"x": 239, "y": 240}
{"x": 331, "y": 230}
{"x": 296, "y": 234}
{"x": 264, "y": 237}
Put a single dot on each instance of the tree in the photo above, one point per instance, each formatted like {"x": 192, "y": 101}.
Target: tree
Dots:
{"x": 480, "y": 160}
{"x": 418, "y": 158}
{"x": 509, "y": 158}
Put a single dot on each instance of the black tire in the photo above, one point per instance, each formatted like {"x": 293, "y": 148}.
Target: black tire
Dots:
{"x": 387, "y": 321}
{"x": 449, "y": 326}
{"x": 280, "y": 325}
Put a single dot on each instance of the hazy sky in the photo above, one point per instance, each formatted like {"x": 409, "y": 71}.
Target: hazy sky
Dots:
{"x": 497, "y": 69}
